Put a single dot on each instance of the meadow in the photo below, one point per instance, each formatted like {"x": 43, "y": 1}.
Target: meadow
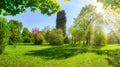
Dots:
{"x": 55, "y": 56}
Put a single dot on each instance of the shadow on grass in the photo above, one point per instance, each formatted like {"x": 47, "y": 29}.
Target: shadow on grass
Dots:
{"x": 63, "y": 52}
{"x": 58, "y": 52}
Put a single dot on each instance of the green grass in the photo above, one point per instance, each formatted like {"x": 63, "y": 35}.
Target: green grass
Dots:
{"x": 54, "y": 56}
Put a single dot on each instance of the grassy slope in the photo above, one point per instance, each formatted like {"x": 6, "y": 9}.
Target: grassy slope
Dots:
{"x": 49, "y": 56}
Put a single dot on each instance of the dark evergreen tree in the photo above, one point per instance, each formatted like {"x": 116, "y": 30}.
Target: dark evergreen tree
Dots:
{"x": 61, "y": 21}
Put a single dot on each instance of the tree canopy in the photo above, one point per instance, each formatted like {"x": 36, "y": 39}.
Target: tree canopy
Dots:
{"x": 85, "y": 26}
{"x": 13, "y": 7}
{"x": 113, "y": 4}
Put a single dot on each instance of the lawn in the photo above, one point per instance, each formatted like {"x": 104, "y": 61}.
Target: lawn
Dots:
{"x": 54, "y": 56}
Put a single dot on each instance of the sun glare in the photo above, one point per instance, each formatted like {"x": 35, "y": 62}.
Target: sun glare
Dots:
{"x": 99, "y": 8}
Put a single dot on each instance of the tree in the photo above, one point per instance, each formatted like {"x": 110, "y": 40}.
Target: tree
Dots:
{"x": 85, "y": 25}
{"x": 100, "y": 38}
{"x": 15, "y": 31}
{"x": 38, "y": 37}
{"x": 4, "y": 34}
{"x": 27, "y": 36}
{"x": 113, "y": 37}
{"x": 61, "y": 21}
{"x": 55, "y": 37}
{"x": 13, "y": 7}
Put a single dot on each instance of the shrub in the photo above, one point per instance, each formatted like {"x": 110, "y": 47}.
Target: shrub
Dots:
{"x": 55, "y": 37}
{"x": 100, "y": 38}
{"x": 27, "y": 36}
{"x": 4, "y": 34}
{"x": 66, "y": 40}
{"x": 38, "y": 39}
{"x": 114, "y": 58}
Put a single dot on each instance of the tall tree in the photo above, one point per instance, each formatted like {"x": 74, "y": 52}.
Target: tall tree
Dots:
{"x": 85, "y": 24}
{"x": 61, "y": 21}
{"x": 13, "y": 7}
{"x": 15, "y": 31}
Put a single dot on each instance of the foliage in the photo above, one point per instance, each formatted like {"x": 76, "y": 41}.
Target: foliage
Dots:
{"x": 61, "y": 21}
{"x": 113, "y": 37}
{"x": 27, "y": 36}
{"x": 114, "y": 57}
{"x": 4, "y": 34}
{"x": 113, "y": 4}
{"x": 85, "y": 25}
{"x": 67, "y": 0}
{"x": 55, "y": 37}
{"x": 13, "y": 7}
{"x": 15, "y": 31}
{"x": 66, "y": 40}
{"x": 38, "y": 37}
{"x": 100, "y": 38}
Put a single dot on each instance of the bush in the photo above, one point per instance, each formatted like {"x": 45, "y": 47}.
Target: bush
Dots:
{"x": 27, "y": 36}
{"x": 55, "y": 37}
{"x": 100, "y": 39}
{"x": 114, "y": 58}
{"x": 27, "y": 40}
{"x": 4, "y": 34}
{"x": 38, "y": 38}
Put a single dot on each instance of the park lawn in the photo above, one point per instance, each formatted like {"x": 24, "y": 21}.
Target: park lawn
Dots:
{"x": 54, "y": 56}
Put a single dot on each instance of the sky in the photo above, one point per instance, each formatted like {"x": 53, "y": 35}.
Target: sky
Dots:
{"x": 36, "y": 19}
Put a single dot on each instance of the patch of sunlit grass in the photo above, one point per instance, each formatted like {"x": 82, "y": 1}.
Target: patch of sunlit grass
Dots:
{"x": 61, "y": 56}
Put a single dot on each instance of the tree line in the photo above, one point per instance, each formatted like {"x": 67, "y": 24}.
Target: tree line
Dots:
{"x": 12, "y": 32}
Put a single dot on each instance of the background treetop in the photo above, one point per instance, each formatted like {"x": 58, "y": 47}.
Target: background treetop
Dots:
{"x": 13, "y": 7}
{"x": 113, "y": 4}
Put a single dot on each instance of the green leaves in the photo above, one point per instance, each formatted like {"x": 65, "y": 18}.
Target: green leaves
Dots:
{"x": 4, "y": 33}
{"x": 112, "y": 4}
{"x": 67, "y": 0}
{"x": 13, "y": 7}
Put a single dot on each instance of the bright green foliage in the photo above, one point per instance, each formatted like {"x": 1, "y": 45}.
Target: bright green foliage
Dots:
{"x": 115, "y": 58}
{"x": 15, "y": 31}
{"x": 83, "y": 25}
{"x": 13, "y": 7}
{"x": 4, "y": 33}
{"x": 113, "y": 4}
{"x": 67, "y": 0}
{"x": 61, "y": 21}
{"x": 114, "y": 37}
{"x": 100, "y": 38}
{"x": 38, "y": 38}
{"x": 27, "y": 36}
{"x": 55, "y": 37}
